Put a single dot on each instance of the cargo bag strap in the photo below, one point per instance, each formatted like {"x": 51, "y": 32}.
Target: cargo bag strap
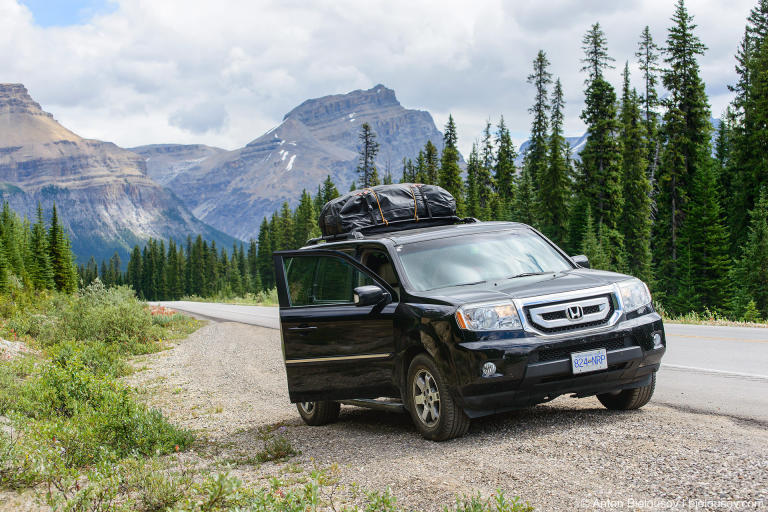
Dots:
{"x": 426, "y": 202}
{"x": 379, "y": 205}
{"x": 415, "y": 204}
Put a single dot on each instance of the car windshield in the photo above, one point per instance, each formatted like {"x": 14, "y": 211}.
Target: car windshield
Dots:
{"x": 477, "y": 258}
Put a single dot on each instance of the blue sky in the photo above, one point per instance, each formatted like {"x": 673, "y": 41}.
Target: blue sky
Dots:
{"x": 222, "y": 72}
{"x": 62, "y": 13}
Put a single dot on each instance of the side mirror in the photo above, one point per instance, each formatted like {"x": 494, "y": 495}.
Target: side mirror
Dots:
{"x": 581, "y": 261}
{"x": 370, "y": 295}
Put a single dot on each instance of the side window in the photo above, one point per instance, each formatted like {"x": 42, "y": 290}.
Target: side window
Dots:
{"x": 321, "y": 280}
{"x": 300, "y": 273}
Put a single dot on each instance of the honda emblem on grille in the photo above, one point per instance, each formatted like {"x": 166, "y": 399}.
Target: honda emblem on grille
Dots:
{"x": 574, "y": 312}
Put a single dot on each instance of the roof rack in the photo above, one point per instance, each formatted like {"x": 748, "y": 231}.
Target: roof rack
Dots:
{"x": 392, "y": 226}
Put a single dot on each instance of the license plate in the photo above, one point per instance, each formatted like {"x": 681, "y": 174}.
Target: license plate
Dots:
{"x": 589, "y": 361}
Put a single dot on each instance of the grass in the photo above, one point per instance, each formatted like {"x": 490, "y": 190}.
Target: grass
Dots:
{"x": 263, "y": 298}
{"x": 83, "y": 441}
{"x": 708, "y": 317}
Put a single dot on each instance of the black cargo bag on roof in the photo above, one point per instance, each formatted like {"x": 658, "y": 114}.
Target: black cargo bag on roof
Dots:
{"x": 386, "y": 207}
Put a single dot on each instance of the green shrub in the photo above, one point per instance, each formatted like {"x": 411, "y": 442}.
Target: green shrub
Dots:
{"x": 109, "y": 315}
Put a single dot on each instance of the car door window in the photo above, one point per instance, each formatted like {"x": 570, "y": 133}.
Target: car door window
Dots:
{"x": 322, "y": 280}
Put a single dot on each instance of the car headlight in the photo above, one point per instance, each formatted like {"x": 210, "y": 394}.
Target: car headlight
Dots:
{"x": 634, "y": 294}
{"x": 488, "y": 317}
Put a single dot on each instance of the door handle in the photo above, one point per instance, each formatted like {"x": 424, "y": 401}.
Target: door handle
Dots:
{"x": 303, "y": 328}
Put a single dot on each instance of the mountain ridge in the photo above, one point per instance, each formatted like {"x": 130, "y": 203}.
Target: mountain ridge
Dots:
{"x": 106, "y": 199}
{"x": 233, "y": 190}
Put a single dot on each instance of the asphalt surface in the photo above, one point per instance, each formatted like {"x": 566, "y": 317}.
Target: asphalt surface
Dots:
{"x": 719, "y": 370}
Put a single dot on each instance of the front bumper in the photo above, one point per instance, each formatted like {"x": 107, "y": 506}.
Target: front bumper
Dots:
{"x": 533, "y": 370}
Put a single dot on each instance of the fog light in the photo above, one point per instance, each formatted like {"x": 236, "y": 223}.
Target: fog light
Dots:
{"x": 656, "y": 340}
{"x": 489, "y": 369}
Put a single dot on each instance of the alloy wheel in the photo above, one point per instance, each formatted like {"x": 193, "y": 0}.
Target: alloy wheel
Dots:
{"x": 426, "y": 397}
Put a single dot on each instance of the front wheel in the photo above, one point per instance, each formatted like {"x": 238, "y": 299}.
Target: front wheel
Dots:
{"x": 629, "y": 398}
{"x": 318, "y": 413}
{"x": 435, "y": 413}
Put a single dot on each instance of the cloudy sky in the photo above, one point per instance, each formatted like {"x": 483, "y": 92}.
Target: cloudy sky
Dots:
{"x": 223, "y": 72}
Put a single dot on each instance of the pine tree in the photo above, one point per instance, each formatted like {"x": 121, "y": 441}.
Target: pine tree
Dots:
{"x": 536, "y": 154}
{"x": 4, "y": 269}
{"x": 473, "y": 167}
{"x": 133, "y": 276}
{"x": 40, "y": 270}
{"x": 705, "y": 239}
{"x": 504, "y": 174}
{"x": 449, "y": 176}
{"x": 265, "y": 265}
{"x": 62, "y": 264}
{"x": 525, "y": 202}
{"x": 369, "y": 148}
{"x": 751, "y": 270}
{"x": 593, "y": 244}
{"x": 599, "y": 174}
{"x": 285, "y": 238}
{"x": 431, "y": 164}
{"x": 554, "y": 177}
{"x": 305, "y": 225}
{"x": 636, "y": 219}
{"x": 686, "y": 137}
{"x": 648, "y": 58}
{"x": 486, "y": 185}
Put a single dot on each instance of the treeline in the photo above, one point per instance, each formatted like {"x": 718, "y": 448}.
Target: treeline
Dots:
{"x": 170, "y": 271}
{"x": 36, "y": 256}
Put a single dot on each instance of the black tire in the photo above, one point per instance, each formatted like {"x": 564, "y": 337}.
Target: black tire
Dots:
{"x": 318, "y": 413}
{"x": 449, "y": 421}
{"x": 629, "y": 399}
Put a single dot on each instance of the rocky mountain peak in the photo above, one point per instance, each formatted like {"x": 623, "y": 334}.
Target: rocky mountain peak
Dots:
{"x": 354, "y": 104}
{"x": 15, "y": 99}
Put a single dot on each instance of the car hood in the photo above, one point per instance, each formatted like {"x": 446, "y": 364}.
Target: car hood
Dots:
{"x": 529, "y": 286}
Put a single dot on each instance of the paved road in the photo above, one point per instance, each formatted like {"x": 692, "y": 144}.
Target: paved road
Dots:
{"x": 722, "y": 370}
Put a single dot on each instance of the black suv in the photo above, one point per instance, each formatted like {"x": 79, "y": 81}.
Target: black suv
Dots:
{"x": 458, "y": 321}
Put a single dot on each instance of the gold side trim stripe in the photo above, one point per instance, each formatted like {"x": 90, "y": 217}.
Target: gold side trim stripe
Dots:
{"x": 337, "y": 358}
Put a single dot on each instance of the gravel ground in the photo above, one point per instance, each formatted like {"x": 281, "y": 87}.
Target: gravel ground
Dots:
{"x": 227, "y": 380}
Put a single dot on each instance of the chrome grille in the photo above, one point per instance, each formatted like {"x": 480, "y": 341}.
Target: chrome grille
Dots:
{"x": 570, "y": 315}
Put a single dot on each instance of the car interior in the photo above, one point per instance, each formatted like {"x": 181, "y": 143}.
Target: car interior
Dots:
{"x": 379, "y": 263}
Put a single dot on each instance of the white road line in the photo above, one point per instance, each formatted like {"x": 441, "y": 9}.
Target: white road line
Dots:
{"x": 713, "y": 371}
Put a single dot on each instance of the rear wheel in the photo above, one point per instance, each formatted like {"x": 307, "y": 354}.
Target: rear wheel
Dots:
{"x": 318, "y": 413}
{"x": 435, "y": 413}
{"x": 629, "y": 398}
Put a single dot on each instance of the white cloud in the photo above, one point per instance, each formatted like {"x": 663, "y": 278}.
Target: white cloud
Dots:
{"x": 224, "y": 72}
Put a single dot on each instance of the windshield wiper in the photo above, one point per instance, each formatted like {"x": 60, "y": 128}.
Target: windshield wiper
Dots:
{"x": 526, "y": 274}
{"x": 452, "y": 285}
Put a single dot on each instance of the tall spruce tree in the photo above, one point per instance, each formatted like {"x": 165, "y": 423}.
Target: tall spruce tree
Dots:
{"x": 486, "y": 184}
{"x": 648, "y": 59}
{"x": 636, "y": 219}
{"x": 686, "y": 150}
{"x": 751, "y": 270}
{"x": 305, "y": 224}
{"x": 507, "y": 189}
{"x": 40, "y": 270}
{"x": 431, "y": 163}
{"x": 369, "y": 148}
{"x": 599, "y": 173}
{"x": 536, "y": 154}
{"x": 449, "y": 176}
{"x": 554, "y": 177}
{"x": 265, "y": 265}
{"x": 473, "y": 169}
{"x": 62, "y": 264}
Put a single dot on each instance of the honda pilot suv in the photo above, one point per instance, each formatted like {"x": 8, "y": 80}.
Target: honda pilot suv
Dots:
{"x": 460, "y": 320}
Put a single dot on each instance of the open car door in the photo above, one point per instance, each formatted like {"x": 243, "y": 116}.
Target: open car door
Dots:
{"x": 333, "y": 349}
